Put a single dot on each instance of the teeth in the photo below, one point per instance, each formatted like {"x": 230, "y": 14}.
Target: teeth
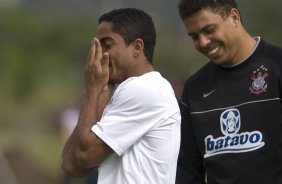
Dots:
{"x": 213, "y": 51}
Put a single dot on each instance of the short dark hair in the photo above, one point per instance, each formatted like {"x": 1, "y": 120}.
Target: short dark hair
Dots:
{"x": 187, "y": 8}
{"x": 131, "y": 24}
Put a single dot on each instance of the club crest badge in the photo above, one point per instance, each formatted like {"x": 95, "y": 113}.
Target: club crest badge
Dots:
{"x": 259, "y": 84}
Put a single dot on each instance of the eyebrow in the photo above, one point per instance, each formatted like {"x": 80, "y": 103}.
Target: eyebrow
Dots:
{"x": 202, "y": 30}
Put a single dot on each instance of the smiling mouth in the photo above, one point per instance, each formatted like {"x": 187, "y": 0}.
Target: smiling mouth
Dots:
{"x": 213, "y": 51}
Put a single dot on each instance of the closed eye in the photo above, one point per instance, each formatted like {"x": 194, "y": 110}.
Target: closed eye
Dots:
{"x": 106, "y": 43}
{"x": 209, "y": 30}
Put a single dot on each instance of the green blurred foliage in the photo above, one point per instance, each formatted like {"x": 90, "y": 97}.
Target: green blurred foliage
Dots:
{"x": 34, "y": 49}
{"x": 41, "y": 68}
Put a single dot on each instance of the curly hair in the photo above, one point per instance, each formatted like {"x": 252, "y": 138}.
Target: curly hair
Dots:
{"x": 187, "y": 8}
{"x": 132, "y": 23}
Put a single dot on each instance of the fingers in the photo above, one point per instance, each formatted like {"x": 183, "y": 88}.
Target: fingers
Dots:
{"x": 98, "y": 63}
{"x": 91, "y": 53}
{"x": 105, "y": 61}
{"x": 98, "y": 52}
{"x": 97, "y": 68}
{"x": 95, "y": 53}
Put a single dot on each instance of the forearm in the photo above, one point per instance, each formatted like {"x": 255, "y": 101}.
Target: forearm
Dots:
{"x": 76, "y": 157}
{"x": 105, "y": 98}
{"x": 69, "y": 161}
{"x": 94, "y": 105}
{"x": 79, "y": 140}
{"x": 87, "y": 118}
{"x": 90, "y": 149}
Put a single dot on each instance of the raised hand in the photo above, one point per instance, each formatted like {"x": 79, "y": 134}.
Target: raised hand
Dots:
{"x": 97, "y": 69}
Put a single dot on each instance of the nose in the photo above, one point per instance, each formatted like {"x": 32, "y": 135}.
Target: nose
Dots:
{"x": 203, "y": 41}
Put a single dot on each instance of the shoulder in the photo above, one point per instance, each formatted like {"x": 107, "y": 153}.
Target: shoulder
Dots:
{"x": 142, "y": 89}
{"x": 269, "y": 54}
{"x": 271, "y": 50}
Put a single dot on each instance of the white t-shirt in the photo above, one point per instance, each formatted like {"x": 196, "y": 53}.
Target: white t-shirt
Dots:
{"x": 141, "y": 124}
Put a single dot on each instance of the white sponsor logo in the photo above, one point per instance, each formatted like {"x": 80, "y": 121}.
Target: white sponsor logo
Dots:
{"x": 232, "y": 141}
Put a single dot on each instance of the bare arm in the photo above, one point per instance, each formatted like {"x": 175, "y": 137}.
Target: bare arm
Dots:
{"x": 69, "y": 162}
{"x": 84, "y": 150}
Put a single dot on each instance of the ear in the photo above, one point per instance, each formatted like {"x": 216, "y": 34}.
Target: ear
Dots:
{"x": 235, "y": 16}
{"x": 138, "y": 47}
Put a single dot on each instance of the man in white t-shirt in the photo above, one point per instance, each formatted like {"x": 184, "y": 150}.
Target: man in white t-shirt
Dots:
{"x": 129, "y": 123}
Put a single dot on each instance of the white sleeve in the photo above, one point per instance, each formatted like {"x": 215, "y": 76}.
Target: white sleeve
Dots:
{"x": 135, "y": 108}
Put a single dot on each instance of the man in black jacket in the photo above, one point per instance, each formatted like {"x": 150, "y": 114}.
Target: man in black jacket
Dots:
{"x": 231, "y": 108}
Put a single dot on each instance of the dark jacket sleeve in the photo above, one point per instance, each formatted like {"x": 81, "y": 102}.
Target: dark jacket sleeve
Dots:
{"x": 190, "y": 168}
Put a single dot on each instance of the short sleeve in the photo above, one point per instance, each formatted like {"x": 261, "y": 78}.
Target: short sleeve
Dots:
{"x": 135, "y": 108}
